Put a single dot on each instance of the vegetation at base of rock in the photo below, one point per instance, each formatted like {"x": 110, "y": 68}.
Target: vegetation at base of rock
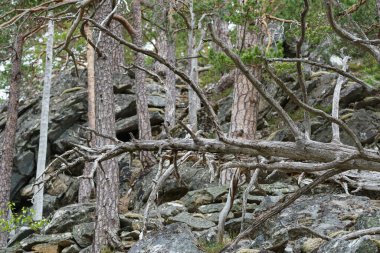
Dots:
{"x": 24, "y": 217}
{"x": 211, "y": 247}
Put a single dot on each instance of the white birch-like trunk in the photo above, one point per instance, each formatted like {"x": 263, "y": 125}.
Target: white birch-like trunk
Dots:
{"x": 335, "y": 102}
{"x": 194, "y": 102}
{"x": 38, "y": 198}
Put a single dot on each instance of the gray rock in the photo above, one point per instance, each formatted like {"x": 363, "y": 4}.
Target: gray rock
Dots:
{"x": 360, "y": 245}
{"x": 196, "y": 223}
{"x": 130, "y": 124}
{"x": 14, "y": 249}
{"x": 22, "y": 171}
{"x": 86, "y": 250}
{"x": 21, "y": 234}
{"x": 211, "y": 208}
{"x": 366, "y": 132}
{"x": 157, "y": 101}
{"x": 125, "y": 105}
{"x": 173, "y": 238}
{"x": 84, "y": 233}
{"x": 214, "y": 217}
{"x": 224, "y": 110}
{"x": 49, "y": 204}
{"x": 352, "y": 92}
{"x": 63, "y": 240}
{"x": 67, "y": 217}
{"x": 368, "y": 220}
{"x": 194, "y": 199}
{"x": 71, "y": 249}
{"x": 171, "y": 209}
{"x": 323, "y": 213}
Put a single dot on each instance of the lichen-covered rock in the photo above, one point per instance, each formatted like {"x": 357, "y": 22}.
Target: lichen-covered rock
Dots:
{"x": 312, "y": 244}
{"x": 368, "y": 220}
{"x": 65, "y": 218}
{"x": 169, "y": 209}
{"x": 62, "y": 240}
{"x": 323, "y": 213}
{"x": 194, "y": 199}
{"x": 196, "y": 223}
{"x": 360, "y": 245}
{"x": 71, "y": 249}
{"x": 173, "y": 238}
{"x": 84, "y": 233}
{"x": 21, "y": 234}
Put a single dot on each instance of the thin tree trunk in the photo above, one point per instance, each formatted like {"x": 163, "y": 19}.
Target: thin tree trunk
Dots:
{"x": 194, "y": 102}
{"x": 160, "y": 13}
{"x": 335, "y": 102}
{"x": 9, "y": 134}
{"x": 170, "y": 109}
{"x": 378, "y": 14}
{"x": 107, "y": 176}
{"x": 38, "y": 198}
{"x": 86, "y": 185}
{"x": 145, "y": 132}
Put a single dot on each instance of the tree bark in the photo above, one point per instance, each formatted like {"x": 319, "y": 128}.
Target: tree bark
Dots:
{"x": 194, "y": 102}
{"x": 170, "y": 107}
{"x": 107, "y": 176}
{"x": 86, "y": 185}
{"x": 38, "y": 198}
{"x": 335, "y": 102}
{"x": 9, "y": 134}
{"x": 145, "y": 132}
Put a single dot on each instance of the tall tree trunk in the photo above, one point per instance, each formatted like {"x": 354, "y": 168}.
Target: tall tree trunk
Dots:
{"x": 9, "y": 134}
{"x": 145, "y": 132}
{"x": 194, "y": 102}
{"x": 107, "y": 176}
{"x": 160, "y": 14}
{"x": 378, "y": 15}
{"x": 245, "y": 105}
{"x": 170, "y": 109}
{"x": 86, "y": 186}
{"x": 38, "y": 198}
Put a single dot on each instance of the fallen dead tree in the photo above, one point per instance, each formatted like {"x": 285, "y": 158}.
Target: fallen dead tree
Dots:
{"x": 308, "y": 156}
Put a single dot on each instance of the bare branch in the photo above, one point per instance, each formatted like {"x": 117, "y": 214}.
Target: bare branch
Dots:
{"x": 359, "y": 233}
{"x": 290, "y": 166}
{"x": 349, "y": 36}
{"x": 316, "y": 111}
{"x": 281, "y": 205}
{"x": 125, "y": 24}
{"x": 324, "y": 66}
{"x": 352, "y": 8}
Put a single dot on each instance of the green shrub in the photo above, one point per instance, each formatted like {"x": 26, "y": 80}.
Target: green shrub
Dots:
{"x": 22, "y": 218}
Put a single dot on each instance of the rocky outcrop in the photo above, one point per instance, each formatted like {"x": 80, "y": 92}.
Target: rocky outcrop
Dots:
{"x": 68, "y": 111}
{"x": 173, "y": 238}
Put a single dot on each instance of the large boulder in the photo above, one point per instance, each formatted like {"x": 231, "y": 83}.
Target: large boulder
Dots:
{"x": 67, "y": 217}
{"x": 360, "y": 245}
{"x": 84, "y": 233}
{"x": 173, "y": 238}
{"x": 54, "y": 241}
{"x": 326, "y": 214}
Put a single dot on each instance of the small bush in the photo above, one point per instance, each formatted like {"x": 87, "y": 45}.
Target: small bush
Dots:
{"x": 22, "y": 218}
